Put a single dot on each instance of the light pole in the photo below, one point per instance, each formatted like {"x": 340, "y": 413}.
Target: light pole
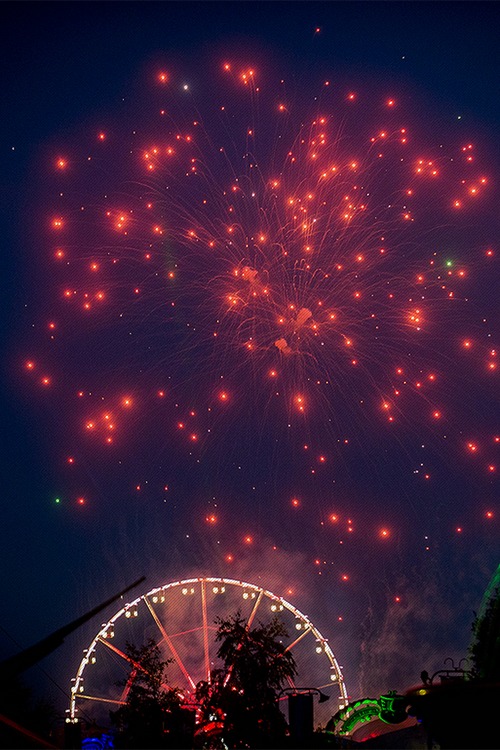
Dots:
{"x": 301, "y": 710}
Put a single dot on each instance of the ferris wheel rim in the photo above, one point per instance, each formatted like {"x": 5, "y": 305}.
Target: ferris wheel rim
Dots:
{"x": 338, "y": 681}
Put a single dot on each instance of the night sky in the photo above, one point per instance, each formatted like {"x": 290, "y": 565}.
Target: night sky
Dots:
{"x": 250, "y": 316}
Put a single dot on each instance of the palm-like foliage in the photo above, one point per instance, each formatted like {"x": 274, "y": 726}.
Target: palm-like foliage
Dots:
{"x": 256, "y": 659}
{"x": 144, "y": 719}
{"x": 485, "y": 647}
{"x": 244, "y": 693}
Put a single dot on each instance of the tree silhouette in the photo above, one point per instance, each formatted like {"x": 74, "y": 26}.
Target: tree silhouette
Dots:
{"x": 485, "y": 647}
{"x": 243, "y": 695}
{"x": 151, "y": 707}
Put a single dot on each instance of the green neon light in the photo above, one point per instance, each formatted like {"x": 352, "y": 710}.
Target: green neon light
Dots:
{"x": 359, "y": 711}
{"x": 490, "y": 590}
{"x": 389, "y": 708}
{"x": 360, "y": 716}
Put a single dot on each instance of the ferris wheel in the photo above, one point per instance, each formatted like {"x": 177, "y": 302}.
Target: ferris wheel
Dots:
{"x": 181, "y": 618}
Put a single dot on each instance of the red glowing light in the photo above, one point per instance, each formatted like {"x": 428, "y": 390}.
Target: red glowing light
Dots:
{"x": 259, "y": 275}
{"x": 299, "y": 402}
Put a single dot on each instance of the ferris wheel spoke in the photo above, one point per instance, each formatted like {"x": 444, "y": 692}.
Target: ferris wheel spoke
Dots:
{"x": 205, "y": 630}
{"x": 247, "y": 628}
{"x": 100, "y": 700}
{"x": 254, "y": 610}
{"x": 128, "y": 685}
{"x": 299, "y": 638}
{"x": 171, "y": 646}
{"x": 123, "y": 655}
{"x": 193, "y": 630}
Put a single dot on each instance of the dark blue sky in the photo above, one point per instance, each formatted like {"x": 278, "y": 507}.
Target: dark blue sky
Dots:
{"x": 64, "y": 64}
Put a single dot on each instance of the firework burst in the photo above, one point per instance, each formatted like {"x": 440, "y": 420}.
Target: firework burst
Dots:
{"x": 285, "y": 283}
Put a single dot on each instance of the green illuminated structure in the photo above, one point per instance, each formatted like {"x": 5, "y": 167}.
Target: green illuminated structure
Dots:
{"x": 389, "y": 708}
{"x": 492, "y": 586}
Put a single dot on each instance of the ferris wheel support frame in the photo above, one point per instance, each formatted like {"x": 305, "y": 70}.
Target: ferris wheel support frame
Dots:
{"x": 107, "y": 631}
